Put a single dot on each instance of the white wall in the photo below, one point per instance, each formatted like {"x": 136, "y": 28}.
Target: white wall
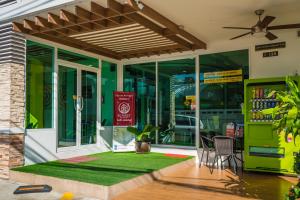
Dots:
{"x": 40, "y": 146}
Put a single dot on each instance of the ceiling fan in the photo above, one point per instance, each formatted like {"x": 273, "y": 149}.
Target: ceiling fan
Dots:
{"x": 262, "y": 26}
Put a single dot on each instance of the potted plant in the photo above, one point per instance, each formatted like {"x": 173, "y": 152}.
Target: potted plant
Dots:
{"x": 286, "y": 120}
{"x": 142, "y": 144}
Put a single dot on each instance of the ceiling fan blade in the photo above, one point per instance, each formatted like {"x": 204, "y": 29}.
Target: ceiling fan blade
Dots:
{"x": 271, "y": 36}
{"x": 266, "y": 21}
{"x": 241, "y": 35}
{"x": 237, "y": 28}
{"x": 285, "y": 26}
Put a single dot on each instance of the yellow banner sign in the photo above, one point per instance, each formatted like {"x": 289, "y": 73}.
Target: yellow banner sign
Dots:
{"x": 224, "y": 80}
{"x": 223, "y": 73}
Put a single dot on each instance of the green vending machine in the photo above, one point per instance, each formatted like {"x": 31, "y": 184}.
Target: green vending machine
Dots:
{"x": 264, "y": 148}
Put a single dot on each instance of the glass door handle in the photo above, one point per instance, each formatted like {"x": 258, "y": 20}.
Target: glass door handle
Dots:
{"x": 81, "y": 104}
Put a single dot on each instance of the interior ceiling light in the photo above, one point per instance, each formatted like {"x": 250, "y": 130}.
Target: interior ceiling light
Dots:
{"x": 139, "y": 4}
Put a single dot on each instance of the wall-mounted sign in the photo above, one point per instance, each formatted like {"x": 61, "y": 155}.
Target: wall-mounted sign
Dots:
{"x": 270, "y": 54}
{"x": 124, "y": 108}
{"x": 208, "y": 75}
{"x": 224, "y": 80}
{"x": 229, "y": 76}
{"x": 277, "y": 45}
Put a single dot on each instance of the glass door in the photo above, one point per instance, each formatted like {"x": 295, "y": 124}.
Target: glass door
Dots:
{"x": 77, "y": 106}
{"x": 67, "y": 106}
{"x": 89, "y": 107}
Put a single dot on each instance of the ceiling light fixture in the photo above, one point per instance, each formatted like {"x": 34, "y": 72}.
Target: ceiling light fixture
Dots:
{"x": 139, "y": 4}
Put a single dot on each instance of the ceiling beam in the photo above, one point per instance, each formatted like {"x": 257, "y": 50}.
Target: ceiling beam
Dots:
{"x": 145, "y": 52}
{"x": 29, "y": 26}
{"x": 153, "y": 14}
{"x": 118, "y": 7}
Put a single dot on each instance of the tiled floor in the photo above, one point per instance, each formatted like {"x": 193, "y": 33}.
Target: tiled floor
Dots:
{"x": 196, "y": 183}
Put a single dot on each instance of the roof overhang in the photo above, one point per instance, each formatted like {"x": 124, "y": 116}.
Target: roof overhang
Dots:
{"x": 117, "y": 30}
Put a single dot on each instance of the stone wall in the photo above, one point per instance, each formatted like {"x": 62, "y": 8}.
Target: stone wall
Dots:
{"x": 11, "y": 153}
{"x": 12, "y": 111}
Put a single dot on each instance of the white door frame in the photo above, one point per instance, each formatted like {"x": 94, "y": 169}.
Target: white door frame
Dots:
{"x": 79, "y": 69}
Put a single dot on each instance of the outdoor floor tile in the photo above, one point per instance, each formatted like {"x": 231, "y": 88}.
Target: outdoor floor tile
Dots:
{"x": 195, "y": 183}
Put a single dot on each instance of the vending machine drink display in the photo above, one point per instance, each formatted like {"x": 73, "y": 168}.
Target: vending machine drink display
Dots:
{"x": 266, "y": 149}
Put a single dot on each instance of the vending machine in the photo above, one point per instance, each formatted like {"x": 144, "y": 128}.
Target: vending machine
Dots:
{"x": 266, "y": 149}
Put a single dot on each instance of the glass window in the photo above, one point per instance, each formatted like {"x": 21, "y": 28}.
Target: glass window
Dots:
{"x": 89, "y": 107}
{"x": 77, "y": 58}
{"x": 222, "y": 90}
{"x": 141, "y": 78}
{"x": 109, "y": 85}
{"x": 177, "y": 102}
{"x": 39, "y": 86}
{"x": 67, "y": 115}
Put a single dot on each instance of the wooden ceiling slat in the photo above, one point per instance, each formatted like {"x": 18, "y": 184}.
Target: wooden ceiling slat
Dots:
{"x": 130, "y": 53}
{"x": 136, "y": 45}
{"x": 113, "y": 29}
{"x": 140, "y": 34}
{"x": 113, "y": 33}
{"x": 121, "y": 38}
{"x": 129, "y": 41}
{"x": 141, "y": 46}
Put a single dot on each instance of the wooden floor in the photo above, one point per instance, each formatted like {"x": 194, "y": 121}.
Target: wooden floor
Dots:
{"x": 196, "y": 183}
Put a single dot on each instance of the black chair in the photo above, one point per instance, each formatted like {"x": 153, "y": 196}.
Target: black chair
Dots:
{"x": 224, "y": 146}
{"x": 207, "y": 146}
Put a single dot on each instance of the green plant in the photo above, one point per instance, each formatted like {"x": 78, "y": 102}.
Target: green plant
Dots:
{"x": 286, "y": 114}
{"x": 142, "y": 135}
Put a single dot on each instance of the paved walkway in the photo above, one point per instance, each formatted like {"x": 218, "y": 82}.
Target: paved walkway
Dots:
{"x": 197, "y": 184}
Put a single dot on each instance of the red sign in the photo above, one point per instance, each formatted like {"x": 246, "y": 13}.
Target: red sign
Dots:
{"x": 124, "y": 108}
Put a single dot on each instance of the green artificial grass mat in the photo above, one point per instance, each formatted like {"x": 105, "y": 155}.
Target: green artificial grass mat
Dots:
{"x": 108, "y": 169}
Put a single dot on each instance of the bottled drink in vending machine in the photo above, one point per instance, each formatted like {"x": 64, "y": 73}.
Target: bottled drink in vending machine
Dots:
{"x": 257, "y": 93}
{"x": 266, "y": 92}
{"x": 254, "y": 116}
{"x": 261, "y": 93}
{"x": 253, "y": 93}
{"x": 253, "y": 105}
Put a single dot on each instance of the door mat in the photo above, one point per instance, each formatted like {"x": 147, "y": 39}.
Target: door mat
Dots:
{"x": 33, "y": 189}
{"x": 78, "y": 159}
{"x": 176, "y": 155}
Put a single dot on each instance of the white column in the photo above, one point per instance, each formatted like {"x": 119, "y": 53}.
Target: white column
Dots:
{"x": 197, "y": 136}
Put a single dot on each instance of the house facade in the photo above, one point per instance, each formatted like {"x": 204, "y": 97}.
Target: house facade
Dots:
{"x": 61, "y": 61}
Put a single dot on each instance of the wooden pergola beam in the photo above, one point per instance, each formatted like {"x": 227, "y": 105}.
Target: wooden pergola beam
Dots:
{"x": 118, "y": 7}
{"x": 30, "y": 26}
{"x": 145, "y": 52}
{"x": 153, "y": 14}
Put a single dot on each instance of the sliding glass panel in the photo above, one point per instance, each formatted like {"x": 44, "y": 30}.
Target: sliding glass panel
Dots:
{"x": 67, "y": 95}
{"x": 89, "y": 107}
{"x": 109, "y": 85}
{"x": 39, "y": 86}
{"x": 177, "y": 102}
{"x": 140, "y": 78}
{"x": 222, "y": 90}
